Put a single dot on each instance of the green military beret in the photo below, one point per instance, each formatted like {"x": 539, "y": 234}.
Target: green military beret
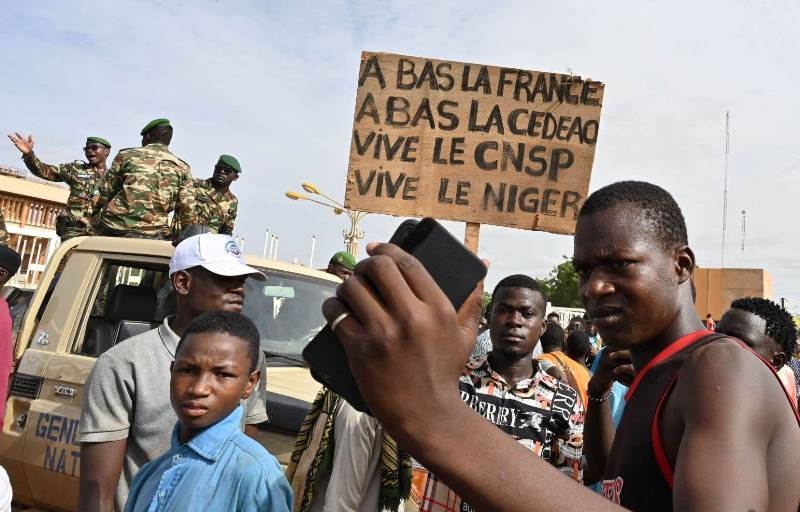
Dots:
{"x": 98, "y": 140}
{"x": 230, "y": 162}
{"x": 344, "y": 259}
{"x": 152, "y": 124}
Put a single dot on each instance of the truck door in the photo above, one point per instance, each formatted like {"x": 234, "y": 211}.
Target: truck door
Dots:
{"x": 51, "y": 453}
{"x": 36, "y": 343}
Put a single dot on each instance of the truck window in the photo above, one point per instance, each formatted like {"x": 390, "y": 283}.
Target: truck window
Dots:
{"x": 126, "y": 304}
{"x": 18, "y": 301}
{"x": 287, "y": 309}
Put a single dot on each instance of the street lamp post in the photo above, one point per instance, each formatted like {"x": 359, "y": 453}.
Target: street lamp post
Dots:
{"x": 351, "y": 236}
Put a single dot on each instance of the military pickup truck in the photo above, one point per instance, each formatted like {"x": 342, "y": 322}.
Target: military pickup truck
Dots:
{"x": 97, "y": 292}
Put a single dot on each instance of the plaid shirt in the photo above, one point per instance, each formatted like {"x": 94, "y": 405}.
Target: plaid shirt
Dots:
{"x": 794, "y": 364}
{"x": 543, "y": 414}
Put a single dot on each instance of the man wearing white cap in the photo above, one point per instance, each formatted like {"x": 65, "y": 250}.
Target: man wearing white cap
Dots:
{"x": 126, "y": 418}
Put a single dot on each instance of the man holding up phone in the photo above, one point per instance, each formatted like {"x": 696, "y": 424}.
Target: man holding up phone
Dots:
{"x": 635, "y": 268}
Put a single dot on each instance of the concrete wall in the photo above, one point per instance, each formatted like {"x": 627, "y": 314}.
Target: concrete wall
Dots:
{"x": 716, "y": 288}
{"x": 50, "y": 192}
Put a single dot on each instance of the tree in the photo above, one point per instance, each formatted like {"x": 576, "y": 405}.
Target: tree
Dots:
{"x": 561, "y": 285}
{"x": 487, "y": 299}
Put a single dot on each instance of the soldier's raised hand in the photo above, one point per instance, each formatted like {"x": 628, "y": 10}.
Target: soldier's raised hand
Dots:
{"x": 23, "y": 144}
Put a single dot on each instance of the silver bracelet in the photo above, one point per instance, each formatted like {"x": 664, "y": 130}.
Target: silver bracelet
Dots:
{"x": 599, "y": 400}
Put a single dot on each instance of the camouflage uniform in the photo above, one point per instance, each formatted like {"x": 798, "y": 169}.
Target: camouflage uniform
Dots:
{"x": 3, "y": 232}
{"x": 82, "y": 179}
{"x": 215, "y": 210}
{"x": 139, "y": 191}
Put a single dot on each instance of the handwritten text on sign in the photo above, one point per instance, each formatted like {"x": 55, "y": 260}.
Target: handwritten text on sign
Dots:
{"x": 472, "y": 143}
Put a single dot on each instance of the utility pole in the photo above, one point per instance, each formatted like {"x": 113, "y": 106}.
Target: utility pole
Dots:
{"x": 311, "y": 256}
{"x": 725, "y": 188}
{"x": 743, "y": 234}
{"x": 266, "y": 243}
{"x": 351, "y": 236}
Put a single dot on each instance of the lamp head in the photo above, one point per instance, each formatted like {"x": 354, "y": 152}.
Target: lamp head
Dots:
{"x": 294, "y": 196}
{"x": 310, "y": 188}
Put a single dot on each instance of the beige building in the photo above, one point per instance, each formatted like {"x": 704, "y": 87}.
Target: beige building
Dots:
{"x": 717, "y": 287}
{"x": 30, "y": 207}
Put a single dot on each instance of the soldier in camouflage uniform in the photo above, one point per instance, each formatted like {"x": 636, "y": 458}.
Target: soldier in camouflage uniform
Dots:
{"x": 143, "y": 186}
{"x": 82, "y": 178}
{"x": 216, "y": 205}
{"x": 3, "y": 232}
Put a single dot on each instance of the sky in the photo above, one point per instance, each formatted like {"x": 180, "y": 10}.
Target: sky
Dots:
{"x": 274, "y": 84}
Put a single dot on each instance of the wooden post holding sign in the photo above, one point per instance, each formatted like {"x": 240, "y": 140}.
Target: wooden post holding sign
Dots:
{"x": 472, "y": 236}
{"x": 472, "y": 143}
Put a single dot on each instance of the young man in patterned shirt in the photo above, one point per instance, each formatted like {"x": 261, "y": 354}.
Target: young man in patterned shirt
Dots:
{"x": 508, "y": 388}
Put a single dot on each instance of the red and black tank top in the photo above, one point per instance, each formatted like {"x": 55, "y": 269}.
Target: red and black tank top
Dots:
{"x": 638, "y": 475}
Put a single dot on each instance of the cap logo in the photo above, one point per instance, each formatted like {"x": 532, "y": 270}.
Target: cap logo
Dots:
{"x": 232, "y": 248}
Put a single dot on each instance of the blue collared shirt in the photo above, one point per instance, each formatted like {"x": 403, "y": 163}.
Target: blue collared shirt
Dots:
{"x": 218, "y": 469}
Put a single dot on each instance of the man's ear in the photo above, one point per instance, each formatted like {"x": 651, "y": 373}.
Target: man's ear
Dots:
{"x": 544, "y": 328}
{"x": 251, "y": 384}
{"x": 235, "y": 177}
{"x": 182, "y": 282}
{"x": 778, "y": 360}
{"x": 684, "y": 263}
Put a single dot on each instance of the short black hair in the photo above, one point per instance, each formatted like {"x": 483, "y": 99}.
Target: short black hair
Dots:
{"x": 659, "y": 208}
{"x": 519, "y": 281}
{"x": 578, "y": 321}
{"x": 232, "y": 324}
{"x": 553, "y": 314}
{"x": 780, "y": 325}
{"x": 160, "y": 134}
{"x": 9, "y": 259}
{"x": 552, "y": 337}
{"x": 578, "y": 345}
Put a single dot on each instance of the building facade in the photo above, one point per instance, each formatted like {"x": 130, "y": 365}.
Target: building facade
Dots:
{"x": 30, "y": 207}
{"x": 718, "y": 287}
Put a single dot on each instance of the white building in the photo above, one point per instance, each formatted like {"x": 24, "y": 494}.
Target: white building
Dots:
{"x": 30, "y": 207}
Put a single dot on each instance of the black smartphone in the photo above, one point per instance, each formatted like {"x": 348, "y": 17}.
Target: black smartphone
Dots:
{"x": 454, "y": 268}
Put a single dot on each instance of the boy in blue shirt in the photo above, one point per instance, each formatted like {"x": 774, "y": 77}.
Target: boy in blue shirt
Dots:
{"x": 212, "y": 465}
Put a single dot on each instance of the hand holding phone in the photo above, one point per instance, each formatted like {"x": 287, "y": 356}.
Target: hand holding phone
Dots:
{"x": 453, "y": 268}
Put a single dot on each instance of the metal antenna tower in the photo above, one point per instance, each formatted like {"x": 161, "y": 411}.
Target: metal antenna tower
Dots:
{"x": 725, "y": 188}
{"x": 743, "y": 235}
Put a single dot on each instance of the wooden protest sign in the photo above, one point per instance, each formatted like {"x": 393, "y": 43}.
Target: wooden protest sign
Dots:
{"x": 473, "y": 143}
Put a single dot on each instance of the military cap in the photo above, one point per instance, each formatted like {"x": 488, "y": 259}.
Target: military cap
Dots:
{"x": 98, "y": 140}
{"x": 230, "y": 162}
{"x": 344, "y": 259}
{"x": 152, "y": 124}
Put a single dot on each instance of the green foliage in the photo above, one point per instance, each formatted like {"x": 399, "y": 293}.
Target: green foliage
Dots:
{"x": 561, "y": 285}
{"x": 487, "y": 298}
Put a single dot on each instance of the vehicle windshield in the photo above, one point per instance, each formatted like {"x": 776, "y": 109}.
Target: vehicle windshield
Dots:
{"x": 286, "y": 308}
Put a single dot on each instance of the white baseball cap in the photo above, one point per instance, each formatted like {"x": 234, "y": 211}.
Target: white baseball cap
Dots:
{"x": 219, "y": 254}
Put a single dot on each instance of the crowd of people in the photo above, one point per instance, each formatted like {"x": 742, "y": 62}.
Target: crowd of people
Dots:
{"x": 667, "y": 401}
{"x": 500, "y": 407}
